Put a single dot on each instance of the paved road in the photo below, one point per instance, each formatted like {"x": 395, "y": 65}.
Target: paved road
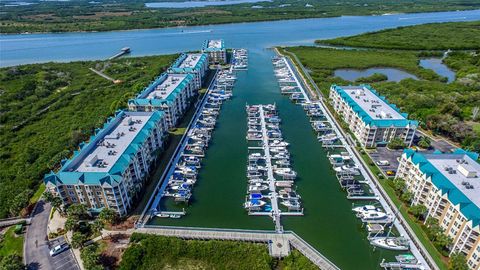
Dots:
{"x": 37, "y": 246}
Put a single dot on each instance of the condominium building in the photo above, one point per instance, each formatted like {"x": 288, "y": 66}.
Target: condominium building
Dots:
{"x": 170, "y": 93}
{"x": 194, "y": 63}
{"x": 449, "y": 186}
{"x": 216, "y": 51}
{"x": 111, "y": 168}
{"x": 372, "y": 119}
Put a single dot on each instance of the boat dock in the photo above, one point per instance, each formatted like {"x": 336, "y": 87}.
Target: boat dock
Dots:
{"x": 269, "y": 170}
{"x": 400, "y": 224}
{"x": 270, "y": 178}
{"x": 123, "y": 51}
{"x": 180, "y": 175}
{"x": 279, "y": 245}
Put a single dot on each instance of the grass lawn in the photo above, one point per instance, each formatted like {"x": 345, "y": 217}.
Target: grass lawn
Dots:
{"x": 11, "y": 243}
{"x": 36, "y": 196}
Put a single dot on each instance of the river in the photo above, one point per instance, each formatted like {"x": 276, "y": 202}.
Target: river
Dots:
{"x": 34, "y": 48}
{"x": 329, "y": 224}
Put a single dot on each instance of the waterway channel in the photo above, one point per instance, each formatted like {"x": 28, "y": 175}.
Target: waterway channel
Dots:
{"x": 328, "y": 224}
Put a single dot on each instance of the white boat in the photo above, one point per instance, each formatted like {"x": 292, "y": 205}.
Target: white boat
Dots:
{"x": 351, "y": 169}
{"x": 391, "y": 243}
{"x": 375, "y": 216}
{"x": 291, "y": 204}
{"x": 327, "y": 137}
{"x": 255, "y": 156}
{"x": 285, "y": 172}
{"x": 257, "y": 187}
{"x": 160, "y": 215}
{"x": 278, "y": 149}
{"x": 283, "y": 155}
{"x": 254, "y": 204}
{"x": 278, "y": 143}
{"x": 175, "y": 216}
{"x": 365, "y": 208}
{"x": 283, "y": 162}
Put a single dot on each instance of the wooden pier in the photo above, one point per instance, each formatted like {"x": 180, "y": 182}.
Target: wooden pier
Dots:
{"x": 279, "y": 244}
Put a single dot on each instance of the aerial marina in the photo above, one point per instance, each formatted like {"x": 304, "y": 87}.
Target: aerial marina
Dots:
{"x": 381, "y": 222}
{"x": 182, "y": 174}
{"x": 269, "y": 160}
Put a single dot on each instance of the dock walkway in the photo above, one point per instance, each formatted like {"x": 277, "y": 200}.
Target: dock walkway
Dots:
{"x": 279, "y": 244}
{"x": 416, "y": 247}
{"x": 271, "y": 179}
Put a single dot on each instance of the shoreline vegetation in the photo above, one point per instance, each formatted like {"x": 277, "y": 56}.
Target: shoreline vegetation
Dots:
{"x": 49, "y": 108}
{"x": 461, "y": 36}
{"x": 445, "y": 109}
{"x": 149, "y": 252}
{"x": 110, "y": 15}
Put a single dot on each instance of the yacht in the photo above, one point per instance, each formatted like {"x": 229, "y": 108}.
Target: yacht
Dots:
{"x": 278, "y": 143}
{"x": 391, "y": 243}
{"x": 282, "y": 162}
{"x": 254, "y": 204}
{"x": 291, "y": 204}
{"x": 258, "y": 187}
{"x": 255, "y": 156}
{"x": 366, "y": 208}
{"x": 351, "y": 169}
{"x": 285, "y": 172}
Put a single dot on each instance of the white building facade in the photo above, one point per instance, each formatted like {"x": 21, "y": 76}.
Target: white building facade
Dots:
{"x": 110, "y": 170}
{"x": 372, "y": 119}
{"x": 449, "y": 186}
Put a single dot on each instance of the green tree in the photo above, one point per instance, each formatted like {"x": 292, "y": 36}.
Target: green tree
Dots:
{"x": 457, "y": 262}
{"x": 78, "y": 239}
{"x": 108, "y": 216}
{"x": 71, "y": 224}
{"x": 97, "y": 226}
{"x": 407, "y": 197}
{"x": 399, "y": 185}
{"x": 418, "y": 210}
{"x": 20, "y": 201}
{"x": 77, "y": 210}
{"x": 396, "y": 144}
{"x": 12, "y": 262}
{"x": 91, "y": 257}
{"x": 425, "y": 142}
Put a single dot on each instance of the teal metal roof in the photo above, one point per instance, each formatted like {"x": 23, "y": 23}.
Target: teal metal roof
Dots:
{"x": 175, "y": 68}
{"x": 469, "y": 209}
{"x": 141, "y": 99}
{"x": 205, "y": 47}
{"x": 114, "y": 175}
{"x": 366, "y": 118}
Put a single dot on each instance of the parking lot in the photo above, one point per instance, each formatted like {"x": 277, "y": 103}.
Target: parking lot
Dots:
{"x": 65, "y": 259}
{"x": 392, "y": 156}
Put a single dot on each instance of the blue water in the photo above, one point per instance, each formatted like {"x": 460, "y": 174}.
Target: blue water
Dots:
{"x": 194, "y": 4}
{"x": 439, "y": 67}
{"x": 393, "y": 74}
{"x": 32, "y": 48}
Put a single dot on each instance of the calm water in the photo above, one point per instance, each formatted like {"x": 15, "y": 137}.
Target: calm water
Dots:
{"x": 23, "y": 49}
{"x": 439, "y": 67}
{"x": 328, "y": 224}
{"x": 193, "y": 4}
{"x": 393, "y": 74}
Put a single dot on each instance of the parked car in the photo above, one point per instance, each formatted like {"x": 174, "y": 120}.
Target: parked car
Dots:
{"x": 383, "y": 163}
{"x": 391, "y": 173}
{"x": 58, "y": 249}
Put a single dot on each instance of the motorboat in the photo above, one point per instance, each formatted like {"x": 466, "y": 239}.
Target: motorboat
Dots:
{"x": 258, "y": 187}
{"x": 255, "y": 156}
{"x": 278, "y": 143}
{"x": 255, "y": 168}
{"x": 278, "y": 149}
{"x": 255, "y": 174}
{"x": 160, "y": 215}
{"x": 351, "y": 169}
{"x": 282, "y": 162}
{"x": 391, "y": 243}
{"x": 375, "y": 217}
{"x": 365, "y": 208}
{"x": 285, "y": 172}
{"x": 283, "y": 155}
{"x": 254, "y": 204}
{"x": 291, "y": 204}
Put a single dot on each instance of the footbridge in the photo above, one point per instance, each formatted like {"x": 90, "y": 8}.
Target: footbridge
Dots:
{"x": 279, "y": 244}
